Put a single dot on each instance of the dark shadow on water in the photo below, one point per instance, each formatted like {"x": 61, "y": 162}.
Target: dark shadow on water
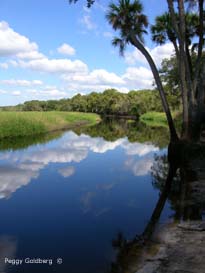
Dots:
{"x": 110, "y": 129}
{"x": 180, "y": 177}
{"x": 18, "y": 143}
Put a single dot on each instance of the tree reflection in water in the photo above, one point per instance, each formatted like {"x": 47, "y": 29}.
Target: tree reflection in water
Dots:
{"x": 180, "y": 177}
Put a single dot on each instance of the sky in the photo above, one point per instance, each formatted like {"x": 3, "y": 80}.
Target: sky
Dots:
{"x": 52, "y": 50}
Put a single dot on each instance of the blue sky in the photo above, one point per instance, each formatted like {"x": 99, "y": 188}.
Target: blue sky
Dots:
{"x": 51, "y": 50}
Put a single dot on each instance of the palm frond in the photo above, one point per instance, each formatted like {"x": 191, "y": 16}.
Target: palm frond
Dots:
{"x": 120, "y": 43}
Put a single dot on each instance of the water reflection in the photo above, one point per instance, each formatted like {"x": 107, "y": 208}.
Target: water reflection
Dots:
{"x": 181, "y": 180}
{"x": 72, "y": 194}
{"x": 26, "y": 141}
{"x": 21, "y": 167}
{"x": 113, "y": 129}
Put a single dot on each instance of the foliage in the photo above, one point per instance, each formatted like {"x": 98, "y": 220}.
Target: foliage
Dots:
{"x": 113, "y": 129}
{"x": 15, "y": 124}
{"x": 182, "y": 25}
{"x": 110, "y": 102}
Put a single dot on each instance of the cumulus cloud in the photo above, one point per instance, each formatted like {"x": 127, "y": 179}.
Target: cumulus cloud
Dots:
{"x": 14, "y": 44}
{"x": 158, "y": 53}
{"x": 96, "y": 77}
{"x": 138, "y": 77}
{"x": 74, "y": 73}
{"x": 135, "y": 56}
{"x": 66, "y": 49}
{"x": 55, "y": 65}
{"x": 100, "y": 79}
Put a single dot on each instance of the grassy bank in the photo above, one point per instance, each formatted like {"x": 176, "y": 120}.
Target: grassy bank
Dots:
{"x": 158, "y": 119}
{"x": 13, "y": 124}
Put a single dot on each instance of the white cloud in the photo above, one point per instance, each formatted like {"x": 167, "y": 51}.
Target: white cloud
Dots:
{"x": 161, "y": 52}
{"x": 24, "y": 83}
{"x": 134, "y": 57}
{"x": 98, "y": 76}
{"x": 87, "y": 22}
{"x": 14, "y": 44}
{"x": 158, "y": 53}
{"x": 75, "y": 73}
{"x": 138, "y": 77}
{"x": 67, "y": 171}
{"x": 55, "y": 65}
{"x": 66, "y": 49}
{"x": 32, "y": 55}
{"x": 100, "y": 79}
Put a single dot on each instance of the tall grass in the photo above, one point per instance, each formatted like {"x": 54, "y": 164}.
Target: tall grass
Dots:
{"x": 158, "y": 119}
{"x": 13, "y": 124}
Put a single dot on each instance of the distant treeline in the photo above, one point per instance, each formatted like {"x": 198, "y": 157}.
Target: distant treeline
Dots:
{"x": 110, "y": 102}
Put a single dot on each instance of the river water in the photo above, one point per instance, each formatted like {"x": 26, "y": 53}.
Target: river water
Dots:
{"x": 66, "y": 196}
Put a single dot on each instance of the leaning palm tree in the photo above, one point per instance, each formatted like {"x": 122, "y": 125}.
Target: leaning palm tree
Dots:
{"x": 127, "y": 17}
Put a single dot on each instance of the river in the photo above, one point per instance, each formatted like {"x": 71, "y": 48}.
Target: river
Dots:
{"x": 66, "y": 196}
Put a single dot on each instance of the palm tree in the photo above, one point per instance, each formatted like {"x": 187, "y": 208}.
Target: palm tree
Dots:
{"x": 163, "y": 31}
{"x": 127, "y": 18}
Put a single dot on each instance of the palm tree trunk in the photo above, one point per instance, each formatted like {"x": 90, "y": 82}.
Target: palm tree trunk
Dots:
{"x": 142, "y": 49}
{"x": 184, "y": 69}
{"x": 199, "y": 60}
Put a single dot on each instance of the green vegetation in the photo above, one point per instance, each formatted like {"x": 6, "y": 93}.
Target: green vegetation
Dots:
{"x": 16, "y": 124}
{"x": 113, "y": 129}
{"x": 158, "y": 119}
{"x": 183, "y": 26}
{"x": 110, "y": 102}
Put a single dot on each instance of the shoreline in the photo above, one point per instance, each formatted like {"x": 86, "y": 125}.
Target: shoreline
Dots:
{"x": 24, "y": 124}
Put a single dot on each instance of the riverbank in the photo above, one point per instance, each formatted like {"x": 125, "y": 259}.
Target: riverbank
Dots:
{"x": 158, "y": 119}
{"x": 178, "y": 248}
{"x": 15, "y": 124}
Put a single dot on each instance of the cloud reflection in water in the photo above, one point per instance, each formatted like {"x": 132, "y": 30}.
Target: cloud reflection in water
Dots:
{"x": 18, "y": 168}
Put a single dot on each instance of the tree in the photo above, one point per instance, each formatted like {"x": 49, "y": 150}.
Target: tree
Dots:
{"x": 163, "y": 30}
{"x": 186, "y": 32}
{"x": 191, "y": 85}
{"x": 127, "y": 17}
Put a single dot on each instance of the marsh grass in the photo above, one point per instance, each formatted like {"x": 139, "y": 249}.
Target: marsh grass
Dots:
{"x": 15, "y": 124}
{"x": 158, "y": 119}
